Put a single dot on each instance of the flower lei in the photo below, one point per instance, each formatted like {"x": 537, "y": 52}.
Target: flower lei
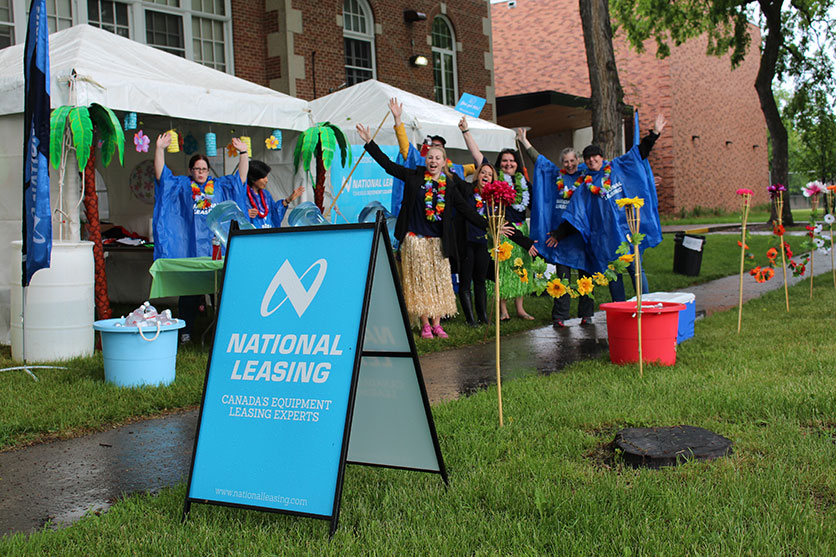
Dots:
{"x": 561, "y": 186}
{"x": 606, "y": 184}
{"x": 480, "y": 204}
{"x": 434, "y": 214}
{"x": 521, "y": 187}
{"x": 254, "y": 202}
{"x": 208, "y": 189}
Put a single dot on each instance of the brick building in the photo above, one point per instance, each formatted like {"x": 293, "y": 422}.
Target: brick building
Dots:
{"x": 300, "y": 47}
{"x": 715, "y": 141}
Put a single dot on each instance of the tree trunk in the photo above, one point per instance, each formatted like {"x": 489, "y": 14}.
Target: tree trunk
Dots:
{"x": 763, "y": 85}
{"x": 319, "y": 188}
{"x": 91, "y": 207}
{"x": 607, "y": 94}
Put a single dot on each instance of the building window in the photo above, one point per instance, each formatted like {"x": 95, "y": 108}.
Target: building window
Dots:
{"x": 444, "y": 61}
{"x": 165, "y": 31}
{"x": 110, "y": 16}
{"x": 208, "y": 37}
{"x": 59, "y": 15}
{"x": 7, "y": 29}
{"x": 358, "y": 38}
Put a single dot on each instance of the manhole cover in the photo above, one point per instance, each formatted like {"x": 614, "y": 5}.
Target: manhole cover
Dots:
{"x": 653, "y": 447}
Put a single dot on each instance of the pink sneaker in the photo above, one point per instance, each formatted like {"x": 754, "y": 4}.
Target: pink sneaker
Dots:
{"x": 426, "y": 331}
{"x": 439, "y": 332}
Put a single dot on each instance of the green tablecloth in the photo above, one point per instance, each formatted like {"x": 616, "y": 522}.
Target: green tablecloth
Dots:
{"x": 185, "y": 276}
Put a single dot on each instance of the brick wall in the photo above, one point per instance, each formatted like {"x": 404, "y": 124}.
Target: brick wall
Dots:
{"x": 320, "y": 45}
{"x": 538, "y": 46}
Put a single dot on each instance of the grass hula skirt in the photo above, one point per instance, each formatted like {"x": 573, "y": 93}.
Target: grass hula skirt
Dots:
{"x": 427, "y": 284}
{"x": 510, "y": 285}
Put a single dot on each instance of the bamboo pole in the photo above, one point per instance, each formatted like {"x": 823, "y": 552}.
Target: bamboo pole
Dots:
{"x": 779, "y": 206}
{"x": 496, "y": 218}
{"x": 634, "y": 222}
{"x": 746, "y": 198}
{"x": 347, "y": 178}
{"x": 829, "y": 201}
{"x": 814, "y": 202}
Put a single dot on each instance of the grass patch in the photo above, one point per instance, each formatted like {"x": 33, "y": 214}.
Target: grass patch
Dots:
{"x": 543, "y": 484}
{"x": 758, "y": 214}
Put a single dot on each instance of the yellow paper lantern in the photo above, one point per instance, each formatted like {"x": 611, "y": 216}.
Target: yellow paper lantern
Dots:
{"x": 174, "y": 146}
{"x": 249, "y": 142}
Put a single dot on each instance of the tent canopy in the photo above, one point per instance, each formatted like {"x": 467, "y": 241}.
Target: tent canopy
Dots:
{"x": 367, "y": 103}
{"x": 121, "y": 74}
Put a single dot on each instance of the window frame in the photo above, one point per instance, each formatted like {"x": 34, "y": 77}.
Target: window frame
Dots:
{"x": 442, "y": 52}
{"x": 368, "y": 37}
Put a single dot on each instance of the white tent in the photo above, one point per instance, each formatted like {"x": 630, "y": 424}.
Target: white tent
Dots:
{"x": 367, "y": 103}
{"x": 90, "y": 65}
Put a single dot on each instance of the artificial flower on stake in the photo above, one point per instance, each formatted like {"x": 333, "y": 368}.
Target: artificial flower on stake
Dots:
{"x": 828, "y": 220}
{"x": 496, "y": 196}
{"x": 632, "y": 208}
{"x": 746, "y": 194}
{"x": 776, "y": 193}
{"x": 812, "y": 191}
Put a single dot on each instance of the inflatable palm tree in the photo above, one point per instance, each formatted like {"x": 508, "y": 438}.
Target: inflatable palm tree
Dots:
{"x": 78, "y": 126}
{"x": 320, "y": 142}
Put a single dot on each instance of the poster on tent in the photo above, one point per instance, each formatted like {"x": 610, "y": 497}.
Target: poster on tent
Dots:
{"x": 368, "y": 183}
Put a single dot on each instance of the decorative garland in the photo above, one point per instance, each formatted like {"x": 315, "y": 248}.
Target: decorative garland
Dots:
{"x": 521, "y": 187}
{"x": 565, "y": 192}
{"x": 606, "y": 184}
{"x": 434, "y": 214}
{"x": 480, "y": 204}
{"x": 199, "y": 196}
{"x": 254, "y": 202}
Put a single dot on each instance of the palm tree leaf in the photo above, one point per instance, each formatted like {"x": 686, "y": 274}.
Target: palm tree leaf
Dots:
{"x": 57, "y": 123}
{"x": 345, "y": 146}
{"x": 328, "y": 145}
{"x": 105, "y": 119}
{"x": 82, "y": 129}
{"x": 309, "y": 141}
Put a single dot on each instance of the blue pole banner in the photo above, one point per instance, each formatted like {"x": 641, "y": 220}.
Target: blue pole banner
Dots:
{"x": 368, "y": 183}
{"x": 313, "y": 366}
{"x": 37, "y": 216}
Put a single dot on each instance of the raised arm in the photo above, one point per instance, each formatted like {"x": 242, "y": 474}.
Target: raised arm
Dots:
{"x": 649, "y": 140}
{"x": 522, "y": 137}
{"x": 163, "y": 141}
{"x": 243, "y": 158}
{"x": 470, "y": 142}
{"x": 396, "y": 170}
{"x": 396, "y": 109}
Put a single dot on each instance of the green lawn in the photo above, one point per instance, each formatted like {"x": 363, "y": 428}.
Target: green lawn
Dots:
{"x": 757, "y": 215}
{"x": 548, "y": 483}
{"x": 69, "y": 402}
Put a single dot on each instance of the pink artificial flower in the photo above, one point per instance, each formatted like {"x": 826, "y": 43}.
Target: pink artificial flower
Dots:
{"x": 813, "y": 188}
{"x": 744, "y": 191}
{"x": 499, "y": 193}
{"x": 141, "y": 142}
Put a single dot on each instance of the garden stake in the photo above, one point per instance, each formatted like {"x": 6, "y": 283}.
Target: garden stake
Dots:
{"x": 496, "y": 218}
{"x": 829, "y": 201}
{"x": 814, "y": 202}
{"x": 779, "y": 207}
{"x": 747, "y": 195}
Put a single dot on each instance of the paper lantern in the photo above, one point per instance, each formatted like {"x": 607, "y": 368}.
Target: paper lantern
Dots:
{"x": 278, "y": 135}
{"x": 249, "y": 142}
{"x": 174, "y": 146}
{"x": 211, "y": 142}
{"x": 130, "y": 121}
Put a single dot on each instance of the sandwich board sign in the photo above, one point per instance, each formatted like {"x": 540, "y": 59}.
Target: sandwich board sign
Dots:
{"x": 313, "y": 366}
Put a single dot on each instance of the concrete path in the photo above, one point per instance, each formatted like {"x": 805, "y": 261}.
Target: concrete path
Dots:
{"x": 58, "y": 482}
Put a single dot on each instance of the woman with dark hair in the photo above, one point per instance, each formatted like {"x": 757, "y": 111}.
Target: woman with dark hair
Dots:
{"x": 426, "y": 232}
{"x": 256, "y": 200}
{"x": 181, "y": 204}
{"x": 510, "y": 169}
{"x": 474, "y": 253}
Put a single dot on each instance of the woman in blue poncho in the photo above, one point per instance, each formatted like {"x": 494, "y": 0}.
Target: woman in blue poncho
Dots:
{"x": 256, "y": 200}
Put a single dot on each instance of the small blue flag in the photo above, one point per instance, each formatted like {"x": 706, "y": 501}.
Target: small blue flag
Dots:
{"x": 37, "y": 218}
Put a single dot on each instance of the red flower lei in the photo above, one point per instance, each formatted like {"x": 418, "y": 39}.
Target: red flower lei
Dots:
{"x": 434, "y": 214}
{"x": 606, "y": 184}
{"x": 477, "y": 196}
{"x": 561, "y": 187}
{"x": 254, "y": 203}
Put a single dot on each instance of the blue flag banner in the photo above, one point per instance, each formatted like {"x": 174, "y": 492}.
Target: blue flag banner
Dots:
{"x": 37, "y": 219}
{"x": 313, "y": 366}
{"x": 471, "y": 105}
{"x": 368, "y": 183}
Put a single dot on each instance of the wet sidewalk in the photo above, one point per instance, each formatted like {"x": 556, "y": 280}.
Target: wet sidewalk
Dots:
{"x": 59, "y": 482}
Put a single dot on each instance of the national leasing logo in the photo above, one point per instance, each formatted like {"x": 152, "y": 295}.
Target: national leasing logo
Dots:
{"x": 299, "y": 296}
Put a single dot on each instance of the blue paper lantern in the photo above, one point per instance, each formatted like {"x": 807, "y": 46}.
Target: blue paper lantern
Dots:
{"x": 211, "y": 144}
{"x": 278, "y": 135}
{"x": 130, "y": 121}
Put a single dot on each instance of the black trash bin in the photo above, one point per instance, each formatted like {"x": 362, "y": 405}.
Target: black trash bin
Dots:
{"x": 687, "y": 253}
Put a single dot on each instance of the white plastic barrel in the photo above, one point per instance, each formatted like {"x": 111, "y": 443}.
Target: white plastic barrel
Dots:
{"x": 59, "y": 305}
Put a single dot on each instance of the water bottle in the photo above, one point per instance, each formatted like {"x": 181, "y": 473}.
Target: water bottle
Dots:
{"x": 216, "y": 248}
{"x": 306, "y": 214}
{"x": 219, "y": 217}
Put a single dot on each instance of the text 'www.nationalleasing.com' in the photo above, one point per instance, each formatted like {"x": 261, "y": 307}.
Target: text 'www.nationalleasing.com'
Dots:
{"x": 261, "y": 496}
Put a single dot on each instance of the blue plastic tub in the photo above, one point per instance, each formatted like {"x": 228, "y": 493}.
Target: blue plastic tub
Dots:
{"x": 130, "y": 361}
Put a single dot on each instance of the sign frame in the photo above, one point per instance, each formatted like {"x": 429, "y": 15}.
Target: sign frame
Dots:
{"x": 379, "y": 234}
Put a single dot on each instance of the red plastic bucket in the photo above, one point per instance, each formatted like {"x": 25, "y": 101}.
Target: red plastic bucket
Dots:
{"x": 660, "y": 322}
